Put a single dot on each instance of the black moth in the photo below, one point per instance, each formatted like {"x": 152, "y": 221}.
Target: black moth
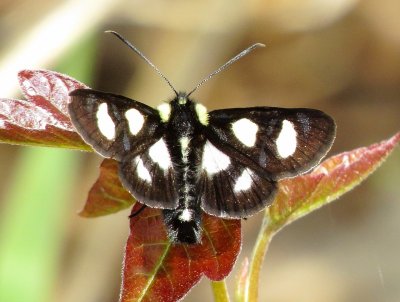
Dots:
{"x": 182, "y": 159}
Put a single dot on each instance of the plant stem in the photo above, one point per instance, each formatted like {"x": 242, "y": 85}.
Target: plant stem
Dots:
{"x": 220, "y": 291}
{"x": 260, "y": 248}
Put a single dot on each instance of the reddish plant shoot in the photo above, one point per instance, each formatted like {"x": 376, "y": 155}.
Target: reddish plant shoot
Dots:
{"x": 153, "y": 268}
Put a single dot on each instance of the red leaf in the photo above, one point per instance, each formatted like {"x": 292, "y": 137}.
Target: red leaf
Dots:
{"x": 334, "y": 177}
{"x": 301, "y": 195}
{"x": 156, "y": 270}
{"x": 107, "y": 194}
{"x": 42, "y": 119}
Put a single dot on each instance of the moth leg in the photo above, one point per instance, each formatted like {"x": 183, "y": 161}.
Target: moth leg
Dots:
{"x": 137, "y": 212}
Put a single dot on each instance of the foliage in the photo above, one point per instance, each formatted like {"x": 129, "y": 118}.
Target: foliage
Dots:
{"x": 153, "y": 268}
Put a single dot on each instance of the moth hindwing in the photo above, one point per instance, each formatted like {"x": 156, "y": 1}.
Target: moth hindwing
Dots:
{"x": 183, "y": 159}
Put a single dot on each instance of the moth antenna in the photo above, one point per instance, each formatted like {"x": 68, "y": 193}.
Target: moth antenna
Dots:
{"x": 227, "y": 64}
{"x": 135, "y": 49}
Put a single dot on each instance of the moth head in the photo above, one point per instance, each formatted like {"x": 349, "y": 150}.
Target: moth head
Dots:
{"x": 182, "y": 99}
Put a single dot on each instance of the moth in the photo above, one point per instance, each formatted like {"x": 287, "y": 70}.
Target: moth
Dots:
{"x": 184, "y": 160}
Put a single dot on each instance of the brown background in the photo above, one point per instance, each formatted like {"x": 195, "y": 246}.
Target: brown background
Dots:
{"x": 342, "y": 57}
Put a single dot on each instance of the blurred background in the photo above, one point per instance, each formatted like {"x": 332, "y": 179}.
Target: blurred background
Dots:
{"x": 339, "y": 56}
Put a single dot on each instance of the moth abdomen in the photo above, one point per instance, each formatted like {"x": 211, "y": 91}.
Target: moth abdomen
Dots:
{"x": 183, "y": 225}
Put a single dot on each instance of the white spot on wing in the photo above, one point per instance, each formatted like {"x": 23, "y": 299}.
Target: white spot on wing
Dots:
{"x": 142, "y": 171}
{"x": 160, "y": 155}
{"x": 244, "y": 181}
{"x": 186, "y": 215}
{"x": 214, "y": 160}
{"x": 165, "y": 111}
{"x": 286, "y": 142}
{"x": 104, "y": 122}
{"x": 135, "y": 120}
{"x": 245, "y": 131}
{"x": 202, "y": 114}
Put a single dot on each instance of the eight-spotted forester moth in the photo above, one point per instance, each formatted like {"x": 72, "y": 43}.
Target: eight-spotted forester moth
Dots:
{"x": 182, "y": 159}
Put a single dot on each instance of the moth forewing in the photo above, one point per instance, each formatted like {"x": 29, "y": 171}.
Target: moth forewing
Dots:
{"x": 280, "y": 142}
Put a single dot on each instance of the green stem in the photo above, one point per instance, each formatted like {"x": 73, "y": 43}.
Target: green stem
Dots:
{"x": 220, "y": 291}
{"x": 257, "y": 259}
